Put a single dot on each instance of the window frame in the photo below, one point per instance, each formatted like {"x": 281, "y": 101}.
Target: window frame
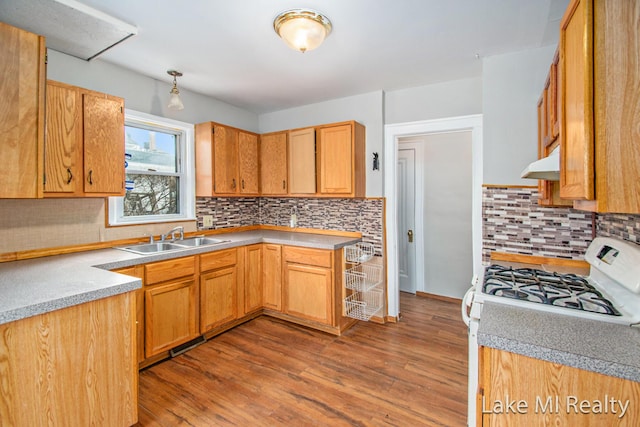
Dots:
{"x": 185, "y": 165}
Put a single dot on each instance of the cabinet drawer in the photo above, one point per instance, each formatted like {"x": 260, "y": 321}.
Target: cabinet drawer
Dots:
{"x": 162, "y": 271}
{"x": 218, "y": 259}
{"x": 318, "y": 257}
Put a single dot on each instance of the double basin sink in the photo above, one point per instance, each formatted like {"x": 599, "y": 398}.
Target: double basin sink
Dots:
{"x": 174, "y": 245}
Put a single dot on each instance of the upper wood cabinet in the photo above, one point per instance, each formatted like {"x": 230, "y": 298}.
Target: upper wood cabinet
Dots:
{"x": 227, "y": 161}
{"x": 322, "y": 161}
{"x": 273, "y": 164}
{"x": 548, "y": 134}
{"x": 22, "y": 110}
{"x": 302, "y": 161}
{"x": 84, "y": 143}
{"x": 599, "y": 80}
{"x": 340, "y": 159}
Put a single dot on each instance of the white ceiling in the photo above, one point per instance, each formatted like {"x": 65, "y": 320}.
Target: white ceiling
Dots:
{"x": 227, "y": 49}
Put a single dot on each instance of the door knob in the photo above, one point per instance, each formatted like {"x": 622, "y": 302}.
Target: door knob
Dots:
{"x": 410, "y": 234}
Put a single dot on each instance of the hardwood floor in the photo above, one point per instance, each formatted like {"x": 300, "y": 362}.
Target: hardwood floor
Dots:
{"x": 270, "y": 373}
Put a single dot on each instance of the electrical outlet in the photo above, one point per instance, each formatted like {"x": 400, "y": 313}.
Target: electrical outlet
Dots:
{"x": 207, "y": 220}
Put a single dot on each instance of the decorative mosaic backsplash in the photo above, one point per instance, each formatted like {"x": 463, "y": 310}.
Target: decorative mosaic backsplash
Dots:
{"x": 514, "y": 223}
{"x": 362, "y": 215}
{"x": 621, "y": 226}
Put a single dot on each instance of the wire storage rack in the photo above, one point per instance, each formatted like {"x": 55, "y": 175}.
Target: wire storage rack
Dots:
{"x": 363, "y": 281}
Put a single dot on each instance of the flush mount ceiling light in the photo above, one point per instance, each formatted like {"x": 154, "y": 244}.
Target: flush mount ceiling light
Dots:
{"x": 302, "y": 29}
{"x": 175, "y": 103}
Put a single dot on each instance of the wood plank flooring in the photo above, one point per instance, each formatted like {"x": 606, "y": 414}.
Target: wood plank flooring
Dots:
{"x": 270, "y": 373}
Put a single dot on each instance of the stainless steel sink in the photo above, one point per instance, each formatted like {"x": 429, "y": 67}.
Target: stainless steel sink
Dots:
{"x": 152, "y": 248}
{"x": 199, "y": 241}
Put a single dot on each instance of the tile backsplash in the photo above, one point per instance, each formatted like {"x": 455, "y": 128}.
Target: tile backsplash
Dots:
{"x": 362, "y": 215}
{"x": 513, "y": 222}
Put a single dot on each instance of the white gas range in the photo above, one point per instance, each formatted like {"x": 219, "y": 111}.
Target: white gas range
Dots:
{"x": 610, "y": 293}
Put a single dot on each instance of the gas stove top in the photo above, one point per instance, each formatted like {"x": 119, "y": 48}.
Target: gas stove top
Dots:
{"x": 543, "y": 287}
{"x": 610, "y": 293}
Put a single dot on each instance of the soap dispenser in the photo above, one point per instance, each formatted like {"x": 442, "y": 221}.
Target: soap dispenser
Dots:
{"x": 293, "y": 221}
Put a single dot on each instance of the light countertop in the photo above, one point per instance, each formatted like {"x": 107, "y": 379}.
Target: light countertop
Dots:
{"x": 607, "y": 348}
{"x": 40, "y": 285}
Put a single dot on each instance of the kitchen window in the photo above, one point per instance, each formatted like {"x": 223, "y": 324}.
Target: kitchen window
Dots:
{"x": 159, "y": 168}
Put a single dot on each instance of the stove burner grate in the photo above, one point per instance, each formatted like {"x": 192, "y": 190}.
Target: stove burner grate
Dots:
{"x": 562, "y": 290}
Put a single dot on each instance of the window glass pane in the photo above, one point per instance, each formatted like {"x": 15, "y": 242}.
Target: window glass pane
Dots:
{"x": 150, "y": 150}
{"x": 152, "y": 195}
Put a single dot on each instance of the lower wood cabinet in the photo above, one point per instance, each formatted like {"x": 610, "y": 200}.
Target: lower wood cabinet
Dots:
{"x": 137, "y": 271}
{"x": 272, "y": 277}
{"x": 516, "y": 390}
{"x": 308, "y": 284}
{"x": 218, "y": 288}
{"x": 171, "y": 310}
{"x": 186, "y": 297}
{"x": 71, "y": 367}
{"x": 253, "y": 297}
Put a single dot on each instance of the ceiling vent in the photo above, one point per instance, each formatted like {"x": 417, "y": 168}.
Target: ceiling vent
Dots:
{"x": 69, "y": 26}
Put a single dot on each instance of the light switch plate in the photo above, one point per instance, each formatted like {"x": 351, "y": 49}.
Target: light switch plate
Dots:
{"x": 207, "y": 220}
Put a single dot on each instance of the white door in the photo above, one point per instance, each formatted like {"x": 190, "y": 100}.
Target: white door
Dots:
{"x": 406, "y": 220}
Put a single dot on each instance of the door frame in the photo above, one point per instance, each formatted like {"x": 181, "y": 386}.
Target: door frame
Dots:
{"x": 418, "y": 212}
{"x": 392, "y": 133}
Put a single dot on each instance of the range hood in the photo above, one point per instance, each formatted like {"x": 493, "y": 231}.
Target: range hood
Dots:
{"x": 546, "y": 168}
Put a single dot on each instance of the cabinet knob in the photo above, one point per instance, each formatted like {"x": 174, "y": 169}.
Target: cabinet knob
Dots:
{"x": 69, "y": 176}
{"x": 90, "y": 179}
{"x": 243, "y": 184}
{"x": 233, "y": 183}
{"x": 284, "y": 184}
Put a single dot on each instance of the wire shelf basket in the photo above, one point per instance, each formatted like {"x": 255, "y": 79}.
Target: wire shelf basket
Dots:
{"x": 359, "y": 252}
{"x": 363, "y": 277}
{"x": 364, "y": 305}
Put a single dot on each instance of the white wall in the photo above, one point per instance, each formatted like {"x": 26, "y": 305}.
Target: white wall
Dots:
{"x": 366, "y": 109}
{"x": 145, "y": 94}
{"x": 512, "y": 84}
{"x": 448, "y": 99}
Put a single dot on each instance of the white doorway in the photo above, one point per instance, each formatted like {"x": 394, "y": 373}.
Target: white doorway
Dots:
{"x": 406, "y": 219}
{"x": 394, "y": 134}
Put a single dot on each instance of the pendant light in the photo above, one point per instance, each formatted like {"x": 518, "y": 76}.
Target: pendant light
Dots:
{"x": 175, "y": 103}
{"x": 302, "y": 29}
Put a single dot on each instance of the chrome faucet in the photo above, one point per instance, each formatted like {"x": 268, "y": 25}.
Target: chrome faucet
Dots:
{"x": 172, "y": 232}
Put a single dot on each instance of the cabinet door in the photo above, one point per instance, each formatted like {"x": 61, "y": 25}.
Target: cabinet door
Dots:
{"x": 248, "y": 154}
{"x": 22, "y": 113}
{"x": 170, "y": 315}
{"x": 308, "y": 292}
{"x": 553, "y": 393}
{"x": 253, "y": 278}
{"x": 63, "y": 160}
{"x": 225, "y": 160}
{"x": 576, "y": 68}
{"x": 335, "y": 159}
{"x": 273, "y": 164}
{"x": 204, "y": 159}
{"x": 218, "y": 297}
{"x": 103, "y": 123}
{"x": 554, "y": 90}
{"x": 272, "y": 277}
{"x": 137, "y": 271}
{"x": 302, "y": 161}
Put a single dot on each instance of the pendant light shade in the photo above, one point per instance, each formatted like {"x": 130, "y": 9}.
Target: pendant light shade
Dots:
{"x": 175, "y": 103}
{"x": 302, "y": 29}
